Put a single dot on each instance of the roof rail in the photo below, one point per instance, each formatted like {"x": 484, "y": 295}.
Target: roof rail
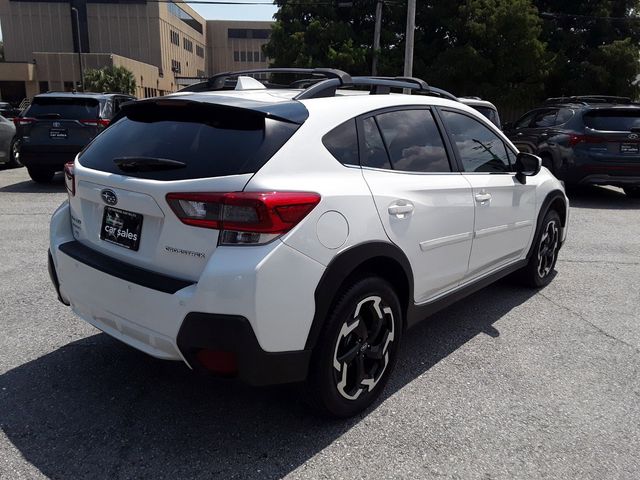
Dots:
{"x": 217, "y": 82}
{"x": 379, "y": 86}
{"x": 587, "y": 99}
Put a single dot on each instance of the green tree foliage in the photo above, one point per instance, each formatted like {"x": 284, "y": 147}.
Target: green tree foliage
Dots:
{"x": 110, "y": 79}
{"x": 594, "y": 46}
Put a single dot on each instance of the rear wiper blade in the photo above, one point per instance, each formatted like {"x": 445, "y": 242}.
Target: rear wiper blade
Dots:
{"x": 147, "y": 164}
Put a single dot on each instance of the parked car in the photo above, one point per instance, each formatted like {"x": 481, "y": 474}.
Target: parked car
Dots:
{"x": 296, "y": 237}
{"x": 8, "y": 155}
{"x": 485, "y": 107}
{"x": 585, "y": 140}
{"x": 57, "y": 125}
{"x": 8, "y": 111}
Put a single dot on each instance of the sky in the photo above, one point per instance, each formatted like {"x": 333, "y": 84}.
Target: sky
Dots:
{"x": 236, "y": 12}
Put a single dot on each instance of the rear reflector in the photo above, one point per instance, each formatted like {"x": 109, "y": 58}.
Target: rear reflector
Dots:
{"x": 244, "y": 217}
{"x": 576, "y": 139}
{"x": 20, "y": 121}
{"x": 70, "y": 178}
{"x": 218, "y": 361}
{"x": 98, "y": 122}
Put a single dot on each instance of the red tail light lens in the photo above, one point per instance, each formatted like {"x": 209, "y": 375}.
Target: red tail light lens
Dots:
{"x": 244, "y": 217}
{"x": 576, "y": 139}
{"x": 21, "y": 121}
{"x": 98, "y": 122}
{"x": 70, "y": 178}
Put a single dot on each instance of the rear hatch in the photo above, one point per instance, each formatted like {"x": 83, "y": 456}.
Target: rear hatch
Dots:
{"x": 611, "y": 135}
{"x": 60, "y": 122}
{"x": 160, "y": 147}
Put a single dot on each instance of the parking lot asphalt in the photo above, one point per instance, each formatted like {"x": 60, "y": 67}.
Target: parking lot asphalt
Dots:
{"x": 509, "y": 383}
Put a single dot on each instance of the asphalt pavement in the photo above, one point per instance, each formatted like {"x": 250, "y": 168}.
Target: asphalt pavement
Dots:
{"x": 509, "y": 383}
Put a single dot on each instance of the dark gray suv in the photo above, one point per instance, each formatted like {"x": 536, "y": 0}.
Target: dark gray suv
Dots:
{"x": 586, "y": 140}
{"x": 57, "y": 125}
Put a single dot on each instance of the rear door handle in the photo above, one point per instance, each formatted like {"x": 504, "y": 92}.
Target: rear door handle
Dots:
{"x": 401, "y": 208}
{"x": 483, "y": 197}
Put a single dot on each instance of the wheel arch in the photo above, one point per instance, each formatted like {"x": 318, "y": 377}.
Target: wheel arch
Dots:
{"x": 555, "y": 200}
{"x": 371, "y": 258}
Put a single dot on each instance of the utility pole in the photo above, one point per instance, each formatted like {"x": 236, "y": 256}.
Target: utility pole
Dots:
{"x": 408, "y": 48}
{"x": 376, "y": 38}
{"x": 75, "y": 10}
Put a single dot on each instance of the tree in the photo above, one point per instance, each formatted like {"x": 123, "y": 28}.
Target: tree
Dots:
{"x": 110, "y": 79}
{"x": 594, "y": 46}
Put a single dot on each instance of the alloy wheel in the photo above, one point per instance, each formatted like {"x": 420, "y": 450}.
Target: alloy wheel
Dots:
{"x": 361, "y": 353}
{"x": 548, "y": 248}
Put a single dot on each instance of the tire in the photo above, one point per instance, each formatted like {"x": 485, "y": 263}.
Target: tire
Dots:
{"x": 41, "y": 175}
{"x": 14, "y": 154}
{"x": 633, "y": 192}
{"x": 538, "y": 272}
{"x": 348, "y": 369}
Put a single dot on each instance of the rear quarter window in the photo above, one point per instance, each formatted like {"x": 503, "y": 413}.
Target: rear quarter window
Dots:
{"x": 342, "y": 143}
{"x": 213, "y": 142}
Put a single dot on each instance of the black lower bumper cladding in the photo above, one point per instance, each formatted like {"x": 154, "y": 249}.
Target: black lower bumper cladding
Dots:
{"x": 230, "y": 333}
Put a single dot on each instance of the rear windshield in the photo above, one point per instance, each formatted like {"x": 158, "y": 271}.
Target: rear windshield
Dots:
{"x": 64, "y": 108}
{"x": 212, "y": 142}
{"x": 613, "y": 120}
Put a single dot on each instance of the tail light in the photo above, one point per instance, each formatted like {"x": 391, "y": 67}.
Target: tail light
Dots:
{"x": 96, "y": 122}
{"x": 576, "y": 139}
{"x": 70, "y": 178}
{"x": 244, "y": 218}
{"x": 21, "y": 121}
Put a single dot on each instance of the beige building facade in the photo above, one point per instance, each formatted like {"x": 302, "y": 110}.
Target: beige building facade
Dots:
{"x": 157, "y": 41}
{"x": 235, "y": 45}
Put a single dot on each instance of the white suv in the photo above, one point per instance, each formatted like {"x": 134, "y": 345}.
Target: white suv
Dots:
{"x": 287, "y": 235}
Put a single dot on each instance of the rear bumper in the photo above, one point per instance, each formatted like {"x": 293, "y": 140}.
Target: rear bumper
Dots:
{"x": 592, "y": 169}
{"x": 615, "y": 180}
{"x": 52, "y": 156}
{"x": 232, "y": 310}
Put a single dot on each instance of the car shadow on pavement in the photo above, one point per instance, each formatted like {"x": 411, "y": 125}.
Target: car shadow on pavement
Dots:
{"x": 29, "y": 186}
{"x": 98, "y": 409}
{"x": 607, "y": 198}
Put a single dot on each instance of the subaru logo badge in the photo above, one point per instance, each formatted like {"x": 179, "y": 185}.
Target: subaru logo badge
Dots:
{"x": 633, "y": 136}
{"x": 109, "y": 197}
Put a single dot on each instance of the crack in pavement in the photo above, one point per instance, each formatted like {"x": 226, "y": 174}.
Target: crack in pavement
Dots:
{"x": 591, "y": 324}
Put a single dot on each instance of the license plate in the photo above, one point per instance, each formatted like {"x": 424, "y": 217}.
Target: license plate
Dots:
{"x": 58, "y": 133}
{"x": 121, "y": 228}
{"x": 629, "y": 148}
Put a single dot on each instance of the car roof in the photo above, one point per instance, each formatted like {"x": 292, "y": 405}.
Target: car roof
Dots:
{"x": 477, "y": 102}
{"x": 80, "y": 95}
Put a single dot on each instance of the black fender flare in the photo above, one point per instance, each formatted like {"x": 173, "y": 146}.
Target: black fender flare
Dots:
{"x": 552, "y": 196}
{"x": 344, "y": 265}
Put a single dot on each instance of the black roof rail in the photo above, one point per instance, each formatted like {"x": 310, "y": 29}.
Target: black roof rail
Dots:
{"x": 217, "y": 81}
{"x": 587, "y": 99}
{"x": 379, "y": 86}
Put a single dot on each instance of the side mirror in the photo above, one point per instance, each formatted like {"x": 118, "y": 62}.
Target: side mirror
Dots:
{"x": 527, "y": 165}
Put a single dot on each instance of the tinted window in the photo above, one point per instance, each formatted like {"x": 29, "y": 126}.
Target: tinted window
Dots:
{"x": 480, "y": 149}
{"x": 413, "y": 141}
{"x": 613, "y": 120}
{"x": 213, "y": 142}
{"x": 65, "y": 108}
{"x": 374, "y": 154}
{"x": 545, "y": 118}
{"x": 525, "y": 121}
{"x": 342, "y": 142}
{"x": 490, "y": 113}
{"x": 564, "y": 115}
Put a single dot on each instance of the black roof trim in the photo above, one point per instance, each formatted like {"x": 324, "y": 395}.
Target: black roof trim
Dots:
{"x": 587, "y": 100}
{"x": 287, "y": 111}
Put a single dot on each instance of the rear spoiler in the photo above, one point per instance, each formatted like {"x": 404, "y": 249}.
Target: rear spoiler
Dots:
{"x": 290, "y": 111}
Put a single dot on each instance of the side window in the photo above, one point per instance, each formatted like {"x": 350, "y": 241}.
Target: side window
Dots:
{"x": 413, "y": 141}
{"x": 342, "y": 142}
{"x": 564, "y": 115}
{"x": 525, "y": 121}
{"x": 479, "y": 148}
{"x": 374, "y": 154}
{"x": 545, "y": 118}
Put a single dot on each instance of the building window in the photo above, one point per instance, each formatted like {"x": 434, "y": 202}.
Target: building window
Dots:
{"x": 262, "y": 33}
{"x": 44, "y": 86}
{"x": 199, "y": 51}
{"x": 243, "y": 56}
{"x": 175, "y": 37}
{"x": 200, "y": 73}
{"x": 256, "y": 56}
{"x": 176, "y": 11}
{"x": 176, "y": 66}
{"x": 263, "y": 57}
{"x": 187, "y": 44}
{"x": 236, "y": 56}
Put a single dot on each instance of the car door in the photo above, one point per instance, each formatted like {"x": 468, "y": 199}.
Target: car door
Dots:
{"x": 425, "y": 206}
{"x": 529, "y": 138}
{"x": 504, "y": 207}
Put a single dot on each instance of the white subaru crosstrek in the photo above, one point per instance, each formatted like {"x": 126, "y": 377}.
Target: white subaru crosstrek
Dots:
{"x": 295, "y": 234}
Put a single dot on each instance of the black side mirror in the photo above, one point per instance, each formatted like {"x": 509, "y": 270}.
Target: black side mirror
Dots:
{"x": 527, "y": 165}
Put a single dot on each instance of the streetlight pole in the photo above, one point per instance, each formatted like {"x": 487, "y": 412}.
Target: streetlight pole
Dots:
{"x": 376, "y": 38}
{"x": 75, "y": 10}
{"x": 408, "y": 48}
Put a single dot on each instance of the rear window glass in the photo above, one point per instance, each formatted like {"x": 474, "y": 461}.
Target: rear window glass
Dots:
{"x": 490, "y": 113}
{"x": 613, "y": 120}
{"x": 64, "y": 108}
{"x": 342, "y": 142}
{"x": 212, "y": 142}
